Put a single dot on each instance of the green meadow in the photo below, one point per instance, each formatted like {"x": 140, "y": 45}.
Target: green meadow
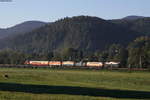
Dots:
{"x": 54, "y": 84}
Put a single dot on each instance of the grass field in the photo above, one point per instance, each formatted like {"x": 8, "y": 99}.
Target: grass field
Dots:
{"x": 49, "y": 84}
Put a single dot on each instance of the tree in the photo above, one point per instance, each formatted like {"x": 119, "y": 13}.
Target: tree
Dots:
{"x": 12, "y": 57}
{"x": 139, "y": 52}
{"x": 71, "y": 54}
{"x": 118, "y": 53}
{"x": 104, "y": 57}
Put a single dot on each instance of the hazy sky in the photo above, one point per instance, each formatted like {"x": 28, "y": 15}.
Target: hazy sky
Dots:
{"x": 18, "y": 11}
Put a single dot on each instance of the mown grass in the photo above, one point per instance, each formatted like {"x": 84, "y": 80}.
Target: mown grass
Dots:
{"x": 50, "y": 84}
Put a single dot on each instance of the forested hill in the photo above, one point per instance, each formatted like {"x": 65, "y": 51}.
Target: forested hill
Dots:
{"x": 82, "y": 32}
{"x": 139, "y": 24}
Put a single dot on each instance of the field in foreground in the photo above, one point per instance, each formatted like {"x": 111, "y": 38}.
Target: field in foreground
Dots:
{"x": 49, "y": 84}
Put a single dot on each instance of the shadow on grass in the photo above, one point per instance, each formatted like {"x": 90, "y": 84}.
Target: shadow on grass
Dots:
{"x": 71, "y": 90}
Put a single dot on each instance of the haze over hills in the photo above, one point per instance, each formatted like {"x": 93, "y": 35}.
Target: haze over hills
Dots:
{"x": 81, "y": 32}
{"x": 21, "y": 28}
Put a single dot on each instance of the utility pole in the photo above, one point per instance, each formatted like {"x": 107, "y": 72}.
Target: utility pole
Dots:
{"x": 140, "y": 61}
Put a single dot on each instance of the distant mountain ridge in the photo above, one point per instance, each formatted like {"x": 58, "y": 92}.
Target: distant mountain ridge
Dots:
{"x": 20, "y": 28}
{"x": 132, "y": 17}
{"x": 140, "y": 24}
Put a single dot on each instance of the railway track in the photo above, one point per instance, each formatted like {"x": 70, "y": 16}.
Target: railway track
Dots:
{"x": 70, "y": 67}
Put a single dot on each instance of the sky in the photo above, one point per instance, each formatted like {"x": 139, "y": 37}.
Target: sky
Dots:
{"x": 18, "y": 11}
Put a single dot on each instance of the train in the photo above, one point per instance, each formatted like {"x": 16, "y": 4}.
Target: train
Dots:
{"x": 72, "y": 64}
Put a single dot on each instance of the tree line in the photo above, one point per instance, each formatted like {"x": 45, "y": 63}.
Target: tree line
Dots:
{"x": 135, "y": 55}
